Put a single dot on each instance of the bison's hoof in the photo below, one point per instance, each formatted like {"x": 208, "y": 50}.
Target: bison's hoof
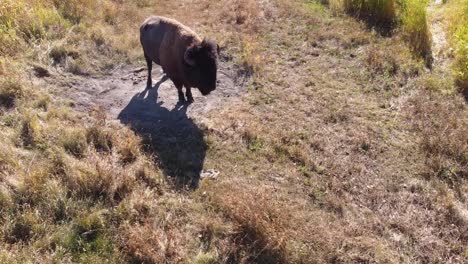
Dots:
{"x": 181, "y": 98}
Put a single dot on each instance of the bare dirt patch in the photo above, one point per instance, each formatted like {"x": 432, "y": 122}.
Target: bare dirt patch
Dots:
{"x": 167, "y": 126}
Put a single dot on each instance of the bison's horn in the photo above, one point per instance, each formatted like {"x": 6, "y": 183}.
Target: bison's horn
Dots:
{"x": 187, "y": 57}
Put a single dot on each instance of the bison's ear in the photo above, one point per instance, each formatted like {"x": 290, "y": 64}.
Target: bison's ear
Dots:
{"x": 189, "y": 55}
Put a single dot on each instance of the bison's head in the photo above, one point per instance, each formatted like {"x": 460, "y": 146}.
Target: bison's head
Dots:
{"x": 202, "y": 62}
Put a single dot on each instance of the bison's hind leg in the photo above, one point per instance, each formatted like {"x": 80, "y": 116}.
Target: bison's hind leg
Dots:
{"x": 149, "y": 64}
{"x": 188, "y": 93}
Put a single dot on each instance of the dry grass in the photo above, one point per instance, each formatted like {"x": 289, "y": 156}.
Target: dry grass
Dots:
{"x": 319, "y": 161}
{"x": 443, "y": 125}
{"x": 258, "y": 235}
{"x": 457, "y": 13}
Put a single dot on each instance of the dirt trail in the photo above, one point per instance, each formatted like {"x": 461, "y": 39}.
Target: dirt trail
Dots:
{"x": 440, "y": 45}
{"x": 123, "y": 95}
{"x": 166, "y": 125}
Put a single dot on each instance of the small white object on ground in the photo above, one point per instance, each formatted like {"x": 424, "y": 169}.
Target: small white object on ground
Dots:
{"x": 211, "y": 173}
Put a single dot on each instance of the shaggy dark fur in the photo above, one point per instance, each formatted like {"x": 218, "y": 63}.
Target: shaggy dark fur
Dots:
{"x": 185, "y": 58}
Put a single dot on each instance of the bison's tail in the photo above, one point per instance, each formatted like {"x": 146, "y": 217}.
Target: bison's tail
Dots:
{"x": 143, "y": 28}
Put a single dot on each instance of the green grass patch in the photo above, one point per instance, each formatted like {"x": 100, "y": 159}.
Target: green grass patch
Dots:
{"x": 415, "y": 26}
{"x": 458, "y": 27}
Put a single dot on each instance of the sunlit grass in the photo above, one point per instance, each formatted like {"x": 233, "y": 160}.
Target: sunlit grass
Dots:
{"x": 457, "y": 14}
{"x": 410, "y": 15}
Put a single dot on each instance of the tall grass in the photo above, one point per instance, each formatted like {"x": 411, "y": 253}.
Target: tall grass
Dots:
{"x": 378, "y": 12}
{"x": 415, "y": 26}
{"x": 28, "y": 21}
{"x": 458, "y": 28}
{"x": 411, "y": 15}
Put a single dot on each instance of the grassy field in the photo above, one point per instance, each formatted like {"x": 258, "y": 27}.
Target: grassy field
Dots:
{"x": 345, "y": 149}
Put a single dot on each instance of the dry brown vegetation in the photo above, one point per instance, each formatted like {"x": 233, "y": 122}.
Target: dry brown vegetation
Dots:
{"x": 344, "y": 149}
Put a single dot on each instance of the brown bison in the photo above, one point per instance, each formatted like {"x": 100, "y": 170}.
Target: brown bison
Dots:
{"x": 185, "y": 58}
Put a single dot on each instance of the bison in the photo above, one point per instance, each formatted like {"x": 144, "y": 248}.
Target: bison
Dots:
{"x": 185, "y": 58}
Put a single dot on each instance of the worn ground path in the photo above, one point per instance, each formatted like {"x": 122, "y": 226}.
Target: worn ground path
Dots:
{"x": 440, "y": 45}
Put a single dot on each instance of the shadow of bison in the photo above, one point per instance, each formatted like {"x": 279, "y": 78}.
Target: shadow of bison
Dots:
{"x": 171, "y": 135}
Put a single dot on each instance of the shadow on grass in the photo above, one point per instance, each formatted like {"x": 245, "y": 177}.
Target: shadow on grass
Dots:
{"x": 170, "y": 135}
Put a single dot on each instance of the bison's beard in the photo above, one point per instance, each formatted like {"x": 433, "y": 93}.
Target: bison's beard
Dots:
{"x": 205, "y": 92}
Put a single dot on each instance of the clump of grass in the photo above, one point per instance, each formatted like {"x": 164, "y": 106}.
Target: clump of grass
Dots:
{"x": 76, "y": 66}
{"x": 60, "y": 113}
{"x": 87, "y": 238}
{"x": 380, "y": 62}
{"x": 6, "y": 201}
{"x": 376, "y": 12}
{"x": 145, "y": 244}
{"x": 8, "y": 159}
{"x": 40, "y": 190}
{"x": 31, "y": 131}
{"x": 74, "y": 10}
{"x": 142, "y": 3}
{"x": 129, "y": 148}
{"x": 90, "y": 225}
{"x": 205, "y": 258}
{"x": 74, "y": 142}
{"x": 242, "y": 12}
{"x": 250, "y": 57}
{"x": 252, "y": 140}
{"x": 101, "y": 139}
{"x": 60, "y": 53}
{"x": 100, "y": 180}
{"x": 439, "y": 84}
{"x": 415, "y": 27}
{"x": 43, "y": 102}
{"x": 98, "y": 38}
{"x": 149, "y": 175}
{"x": 10, "y": 91}
{"x": 25, "y": 228}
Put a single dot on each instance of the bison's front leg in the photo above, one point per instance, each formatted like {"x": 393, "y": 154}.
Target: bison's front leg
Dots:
{"x": 179, "y": 91}
{"x": 149, "y": 63}
{"x": 188, "y": 93}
